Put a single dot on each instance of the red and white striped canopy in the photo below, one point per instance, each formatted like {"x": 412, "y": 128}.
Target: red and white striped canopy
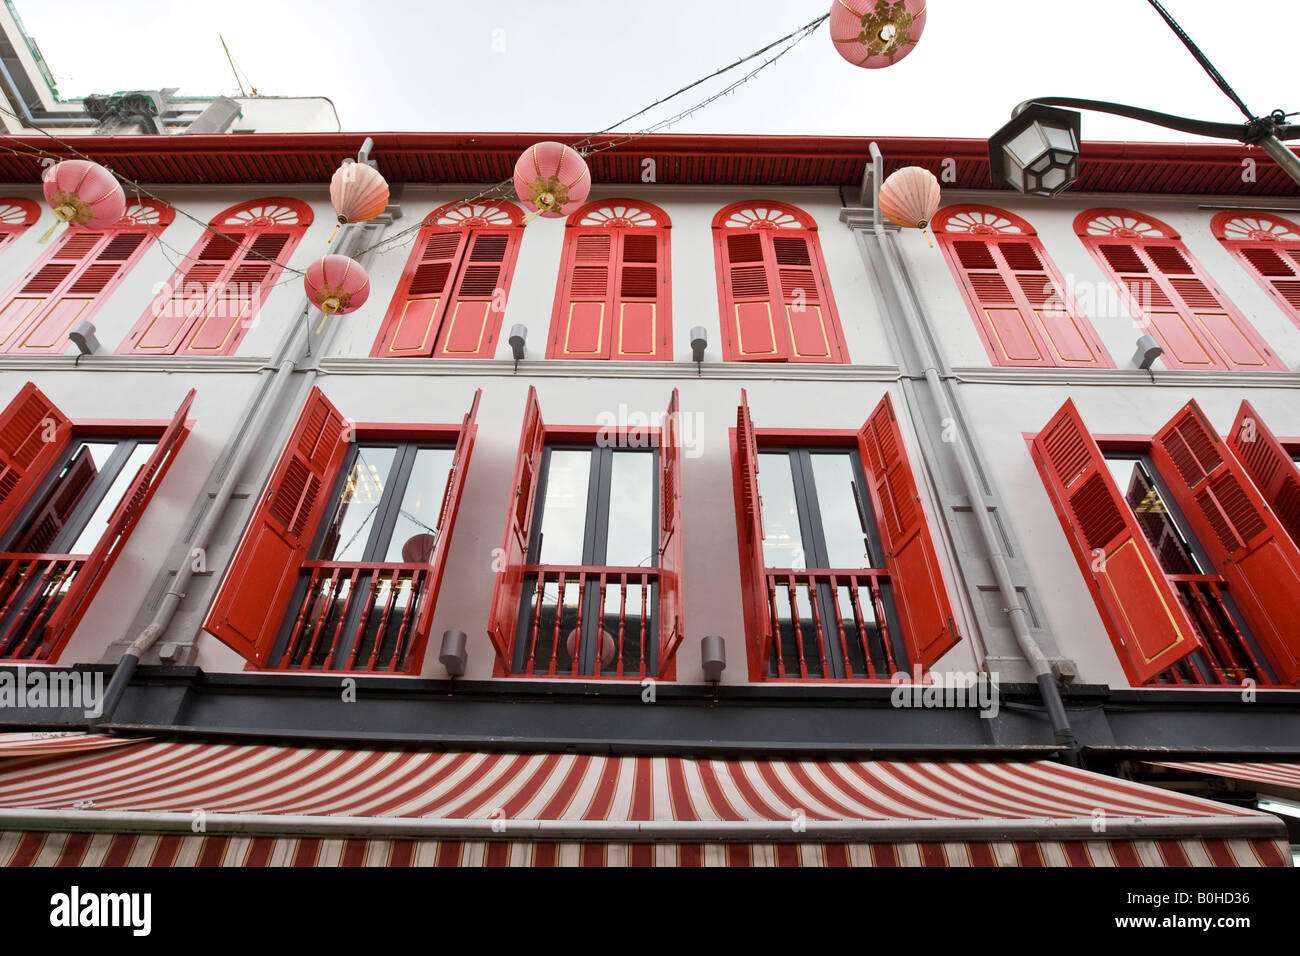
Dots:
{"x": 176, "y": 803}
{"x": 56, "y": 742}
{"x": 1283, "y": 778}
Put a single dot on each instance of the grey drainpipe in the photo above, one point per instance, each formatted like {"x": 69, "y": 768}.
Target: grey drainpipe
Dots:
{"x": 1017, "y": 614}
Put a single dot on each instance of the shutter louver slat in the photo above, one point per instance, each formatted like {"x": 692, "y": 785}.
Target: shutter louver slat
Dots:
{"x": 26, "y": 452}
{"x": 1270, "y": 466}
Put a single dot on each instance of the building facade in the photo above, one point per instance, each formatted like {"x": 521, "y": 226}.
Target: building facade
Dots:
{"x": 903, "y": 461}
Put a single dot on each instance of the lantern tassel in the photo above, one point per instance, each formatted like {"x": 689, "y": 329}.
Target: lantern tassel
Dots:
{"x": 926, "y": 233}
{"x": 332, "y": 235}
{"x": 324, "y": 316}
{"x": 49, "y": 233}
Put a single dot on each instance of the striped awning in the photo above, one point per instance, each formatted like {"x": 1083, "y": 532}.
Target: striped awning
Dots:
{"x": 58, "y": 742}
{"x": 167, "y": 803}
{"x": 1269, "y": 777}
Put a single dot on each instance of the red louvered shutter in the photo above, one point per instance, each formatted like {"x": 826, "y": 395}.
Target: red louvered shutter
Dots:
{"x": 749, "y": 514}
{"x": 1244, "y": 539}
{"x": 67, "y": 286}
{"x": 672, "y": 627}
{"x": 642, "y": 305}
{"x": 1273, "y": 470}
{"x": 411, "y": 324}
{"x": 1268, "y": 246}
{"x": 751, "y": 312}
{"x": 255, "y": 595}
{"x": 1147, "y": 623}
{"x": 446, "y": 524}
{"x": 581, "y": 326}
{"x": 914, "y": 570}
{"x": 33, "y": 434}
{"x": 472, "y": 320}
{"x": 120, "y": 525}
{"x": 507, "y": 591}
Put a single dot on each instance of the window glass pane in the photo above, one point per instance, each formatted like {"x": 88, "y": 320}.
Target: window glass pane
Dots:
{"x": 835, "y": 478}
{"x": 415, "y": 534}
{"x": 782, "y": 542}
{"x": 98, "y": 523}
{"x": 1153, "y": 517}
{"x": 349, "y": 530}
{"x": 63, "y": 497}
{"x": 631, "y": 508}
{"x": 564, "y": 509}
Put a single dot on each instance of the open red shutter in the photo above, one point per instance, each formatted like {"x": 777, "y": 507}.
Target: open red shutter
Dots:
{"x": 472, "y": 320}
{"x": 672, "y": 628}
{"x": 33, "y": 434}
{"x": 506, "y": 593}
{"x": 1244, "y": 539}
{"x": 120, "y": 525}
{"x": 255, "y": 595}
{"x": 411, "y": 324}
{"x": 749, "y": 511}
{"x": 642, "y": 320}
{"x": 1146, "y": 621}
{"x": 1271, "y": 468}
{"x": 583, "y": 319}
{"x": 914, "y": 569}
{"x": 751, "y": 314}
{"x": 447, "y": 521}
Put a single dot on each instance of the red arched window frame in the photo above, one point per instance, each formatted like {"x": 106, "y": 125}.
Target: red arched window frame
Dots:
{"x": 1169, "y": 293}
{"x": 69, "y": 283}
{"x": 773, "y": 292}
{"x": 1268, "y": 246}
{"x": 16, "y": 217}
{"x": 1025, "y": 314}
{"x": 614, "y": 297}
{"x": 452, "y": 294}
{"x": 213, "y": 299}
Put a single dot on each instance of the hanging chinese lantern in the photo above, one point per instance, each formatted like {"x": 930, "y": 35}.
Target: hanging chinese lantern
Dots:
{"x": 909, "y": 197}
{"x": 551, "y": 180}
{"x": 336, "y": 285}
{"x": 876, "y": 33}
{"x": 607, "y": 647}
{"x": 83, "y": 193}
{"x": 359, "y": 193}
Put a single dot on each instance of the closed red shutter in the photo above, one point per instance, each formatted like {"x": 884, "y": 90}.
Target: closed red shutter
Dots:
{"x": 749, "y": 515}
{"x": 1166, "y": 286}
{"x": 1024, "y": 313}
{"x": 33, "y": 434}
{"x": 255, "y": 595}
{"x": 212, "y": 300}
{"x": 614, "y": 298}
{"x": 914, "y": 569}
{"x": 1147, "y": 623}
{"x": 1244, "y": 539}
{"x": 772, "y": 288}
{"x": 506, "y": 593}
{"x": 446, "y": 524}
{"x": 1268, "y": 246}
{"x": 672, "y": 627}
{"x": 472, "y": 321}
{"x": 1273, "y": 470}
{"x": 120, "y": 525}
{"x": 70, "y": 282}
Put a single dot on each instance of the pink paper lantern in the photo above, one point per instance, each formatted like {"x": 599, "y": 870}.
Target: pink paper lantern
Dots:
{"x": 551, "y": 180}
{"x": 876, "y": 33}
{"x": 358, "y": 192}
{"x": 83, "y": 193}
{"x": 909, "y": 197}
{"x": 337, "y": 285}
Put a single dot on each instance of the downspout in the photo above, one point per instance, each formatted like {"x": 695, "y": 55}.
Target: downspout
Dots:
{"x": 1017, "y": 613}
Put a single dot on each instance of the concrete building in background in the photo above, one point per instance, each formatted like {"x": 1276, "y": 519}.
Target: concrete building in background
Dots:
{"x": 31, "y": 102}
{"x": 721, "y": 522}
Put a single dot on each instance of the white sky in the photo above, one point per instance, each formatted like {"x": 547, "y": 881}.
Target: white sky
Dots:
{"x": 579, "y": 65}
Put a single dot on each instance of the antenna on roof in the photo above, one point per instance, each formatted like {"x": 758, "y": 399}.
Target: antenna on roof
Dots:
{"x": 235, "y": 70}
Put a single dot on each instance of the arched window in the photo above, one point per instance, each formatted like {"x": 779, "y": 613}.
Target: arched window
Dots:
{"x": 1025, "y": 314}
{"x": 452, "y": 295}
{"x": 16, "y": 216}
{"x": 772, "y": 288}
{"x": 213, "y": 298}
{"x": 1169, "y": 294}
{"x": 70, "y": 282}
{"x": 1269, "y": 247}
{"x": 614, "y": 297}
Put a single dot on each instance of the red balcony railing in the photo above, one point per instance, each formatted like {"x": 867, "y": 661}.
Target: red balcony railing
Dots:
{"x": 558, "y": 599}
{"x": 824, "y": 613}
{"x": 1227, "y": 653}
{"x": 31, "y": 588}
{"x": 368, "y": 611}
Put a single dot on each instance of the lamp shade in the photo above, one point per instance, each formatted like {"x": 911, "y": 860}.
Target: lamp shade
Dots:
{"x": 876, "y": 33}
{"x": 336, "y": 285}
{"x": 909, "y": 197}
{"x": 358, "y": 192}
{"x": 552, "y": 180}
{"x": 1037, "y": 152}
{"x": 83, "y": 193}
